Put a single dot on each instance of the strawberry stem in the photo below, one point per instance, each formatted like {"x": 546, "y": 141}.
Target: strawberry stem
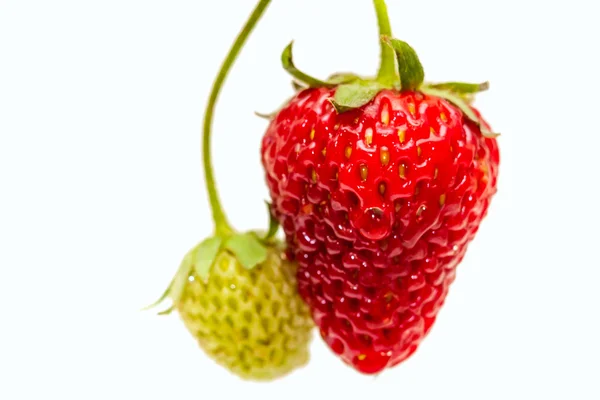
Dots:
{"x": 388, "y": 73}
{"x": 222, "y": 226}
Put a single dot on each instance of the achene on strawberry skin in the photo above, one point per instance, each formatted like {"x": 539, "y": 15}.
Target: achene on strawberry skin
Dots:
{"x": 379, "y": 193}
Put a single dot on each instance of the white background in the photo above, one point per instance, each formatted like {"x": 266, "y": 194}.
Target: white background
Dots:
{"x": 101, "y": 191}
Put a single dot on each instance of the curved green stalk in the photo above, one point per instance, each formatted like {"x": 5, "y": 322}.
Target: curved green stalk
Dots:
{"x": 222, "y": 226}
{"x": 388, "y": 73}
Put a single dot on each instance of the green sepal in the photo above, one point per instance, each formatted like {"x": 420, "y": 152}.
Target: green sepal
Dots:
{"x": 204, "y": 256}
{"x": 355, "y": 94}
{"x": 410, "y": 69}
{"x": 167, "y": 311}
{"x": 162, "y": 298}
{"x": 461, "y": 88}
{"x": 288, "y": 64}
{"x": 247, "y": 248}
{"x": 175, "y": 288}
{"x": 297, "y": 86}
{"x": 333, "y": 80}
{"x": 273, "y": 224}
{"x": 340, "y": 78}
{"x": 462, "y": 104}
{"x": 268, "y": 117}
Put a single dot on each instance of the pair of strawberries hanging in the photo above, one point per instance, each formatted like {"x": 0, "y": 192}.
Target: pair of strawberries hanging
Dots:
{"x": 379, "y": 185}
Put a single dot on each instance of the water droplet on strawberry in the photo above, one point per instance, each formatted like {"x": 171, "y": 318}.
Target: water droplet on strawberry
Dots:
{"x": 374, "y": 224}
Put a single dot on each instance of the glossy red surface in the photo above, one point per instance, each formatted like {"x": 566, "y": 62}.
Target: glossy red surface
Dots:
{"x": 378, "y": 206}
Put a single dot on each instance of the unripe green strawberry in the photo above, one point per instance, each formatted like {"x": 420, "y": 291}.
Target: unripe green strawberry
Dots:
{"x": 237, "y": 295}
{"x": 250, "y": 321}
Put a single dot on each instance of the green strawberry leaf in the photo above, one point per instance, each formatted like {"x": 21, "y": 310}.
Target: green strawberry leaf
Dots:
{"x": 273, "y": 224}
{"x": 461, "y": 87}
{"x": 459, "y": 102}
{"x": 204, "y": 256}
{"x": 288, "y": 64}
{"x": 247, "y": 248}
{"x": 409, "y": 66}
{"x": 355, "y": 94}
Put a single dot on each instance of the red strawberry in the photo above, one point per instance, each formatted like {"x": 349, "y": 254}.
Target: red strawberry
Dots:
{"x": 379, "y": 185}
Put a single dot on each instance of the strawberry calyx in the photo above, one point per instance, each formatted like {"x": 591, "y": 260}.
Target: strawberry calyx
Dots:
{"x": 249, "y": 248}
{"x": 400, "y": 70}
